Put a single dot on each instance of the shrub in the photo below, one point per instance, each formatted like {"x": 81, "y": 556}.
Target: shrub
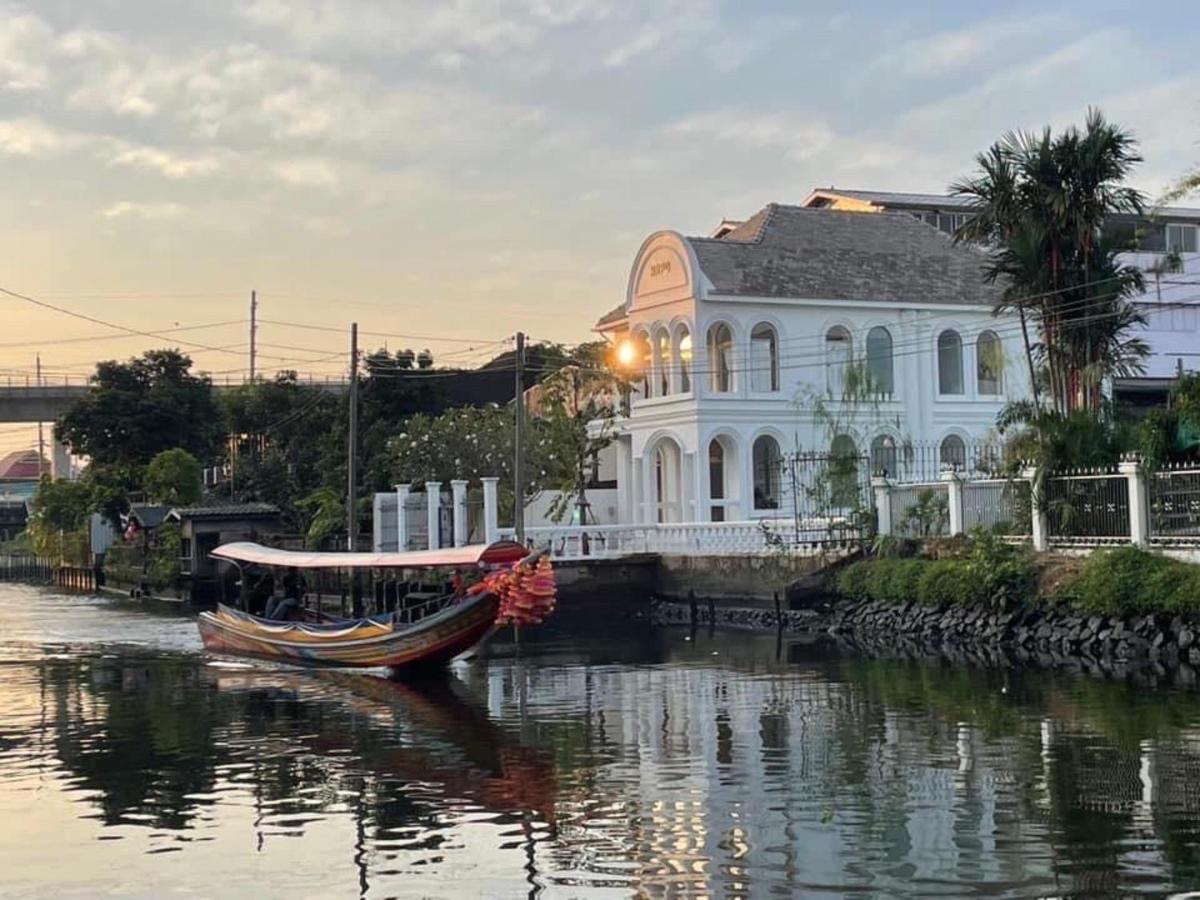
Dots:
{"x": 1121, "y": 581}
{"x": 852, "y": 581}
{"x": 948, "y": 581}
{"x": 895, "y": 580}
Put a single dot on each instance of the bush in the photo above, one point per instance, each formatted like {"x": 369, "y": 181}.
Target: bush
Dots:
{"x": 1123, "y": 581}
{"x": 948, "y": 581}
{"x": 895, "y": 580}
{"x": 852, "y": 582}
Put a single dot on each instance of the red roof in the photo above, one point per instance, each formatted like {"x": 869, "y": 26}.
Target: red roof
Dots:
{"x": 22, "y": 465}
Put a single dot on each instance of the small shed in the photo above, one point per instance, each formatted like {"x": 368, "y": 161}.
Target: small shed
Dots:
{"x": 204, "y": 528}
{"x": 13, "y": 515}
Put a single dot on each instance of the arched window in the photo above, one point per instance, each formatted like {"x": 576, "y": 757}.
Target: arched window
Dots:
{"x": 838, "y": 352}
{"x": 989, "y": 363}
{"x": 720, "y": 358}
{"x": 764, "y": 359}
{"x": 685, "y": 359}
{"x": 883, "y": 455}
{"x": 950, "y": 374}
{"x": 879, "y": 360}
{"x": 716, "y": 481}
{"x": 843, "y": 472}
{"x": 953, "y": 453}
{"x": 768, "y": 469}
{"x": 662, "y": 362}
{"x": 645, "y": 362}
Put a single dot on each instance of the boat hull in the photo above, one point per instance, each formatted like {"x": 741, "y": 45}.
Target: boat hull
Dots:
{"x": 433, "y": 641}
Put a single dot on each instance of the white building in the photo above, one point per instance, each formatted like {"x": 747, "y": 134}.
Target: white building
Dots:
{"x": 1171, "y": 303}
{"x": 814, "y": 330}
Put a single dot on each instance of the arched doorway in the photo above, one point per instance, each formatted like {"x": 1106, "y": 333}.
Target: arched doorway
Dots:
{"x": 666, "y": 481}
{"x": 724, "y": 479}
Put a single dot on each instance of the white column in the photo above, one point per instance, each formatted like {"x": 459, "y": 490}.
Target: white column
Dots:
{"x": 491, "y": 510}
{"x": 458, "y": 489}
{"x": 377, "y": 523}
{"x": 954, "y": 495}
{"x": 639, "y": 491}
{"x": 883, "y": 503}
{"x": 60, "y": 460}
{"x": 1040, "y": 525}
{"x": 625, "y": 512}
{"x": 433, "y": 502}
{"x": 402, "y": 492}
{"x": 687, "y": 488}
{"x": 1139, "y": 511}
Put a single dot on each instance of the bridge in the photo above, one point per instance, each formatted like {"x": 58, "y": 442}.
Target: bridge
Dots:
{"x": 46, "y": 402}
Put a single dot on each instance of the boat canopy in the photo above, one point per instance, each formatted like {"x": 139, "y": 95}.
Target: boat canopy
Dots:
{"x": 452, "y": 557}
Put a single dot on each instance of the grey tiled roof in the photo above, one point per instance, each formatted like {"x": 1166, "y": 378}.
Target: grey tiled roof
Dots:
{"x": 150, "y": 515}
{"x": 818, "y": 254}
{"x": 226, "y": 511}
{"x": 903, "y": 199}
{"x": 613, "y": 315}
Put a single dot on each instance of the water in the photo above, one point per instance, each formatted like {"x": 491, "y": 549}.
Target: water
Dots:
{"x": 625, "y": 762}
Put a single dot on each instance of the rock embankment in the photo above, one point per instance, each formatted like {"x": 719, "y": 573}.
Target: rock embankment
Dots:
{"x": 1032, "y": 628}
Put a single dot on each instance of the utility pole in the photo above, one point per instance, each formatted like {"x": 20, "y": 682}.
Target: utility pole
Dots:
{"x": 41, "y": 437}
{"x": 352, "y": 447}
{"x": 253, "y": 331}
{"x": 519, "y": 442}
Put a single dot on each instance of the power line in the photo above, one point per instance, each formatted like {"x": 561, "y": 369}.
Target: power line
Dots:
{"x": 386, "y": 334}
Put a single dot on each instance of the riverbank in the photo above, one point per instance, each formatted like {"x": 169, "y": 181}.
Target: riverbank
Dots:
{"x": 1117, "y": 606}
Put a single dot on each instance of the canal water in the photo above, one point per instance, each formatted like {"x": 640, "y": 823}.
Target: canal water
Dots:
{"x": 598, "y": 759}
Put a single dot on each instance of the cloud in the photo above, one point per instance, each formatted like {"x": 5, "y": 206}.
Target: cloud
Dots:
{"x": 307, "y": 173}
{"x": 35, "y": 138}
{"x": 799, "y": 137}
{"x": 127, "y": 209}
{"x": 953, "y": 50}
{"x": 25, "y": 43}
{"x": 172, "y": 165}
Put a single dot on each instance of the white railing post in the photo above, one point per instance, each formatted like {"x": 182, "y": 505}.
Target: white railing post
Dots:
{"x": 1040, "y": 526}
{"x": 954, "y": 499}
{"x": 491, "y": 510}
{"x": 883, "y": 503}
{"x": 1139, "y": 518}
{"x": 458, "y": 490}
{"x": 377, "y": 523}
{"x": 402, "y": 492}
{"x": 433, "y": 503}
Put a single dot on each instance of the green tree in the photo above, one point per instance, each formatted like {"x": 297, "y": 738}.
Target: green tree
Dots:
{"x": 574, "y": 423}
{"x": 326, "y": 510}
{"x": 174, "y": 477}
{"x": 58, "y": 516}
{"x": 282, "y": 438}
{"x": 1042, "y": 201}
{"x": 136, "y": 409}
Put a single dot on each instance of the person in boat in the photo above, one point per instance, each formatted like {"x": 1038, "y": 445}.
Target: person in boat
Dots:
{"x": 283, "y": 608}
{"x": 261, "y": 594}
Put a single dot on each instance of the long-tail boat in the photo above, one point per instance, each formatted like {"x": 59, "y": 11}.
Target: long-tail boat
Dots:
{"x": 491, "y": 583}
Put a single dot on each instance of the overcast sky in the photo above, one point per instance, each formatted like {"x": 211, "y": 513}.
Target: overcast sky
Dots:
{"x": 467, "y": 168}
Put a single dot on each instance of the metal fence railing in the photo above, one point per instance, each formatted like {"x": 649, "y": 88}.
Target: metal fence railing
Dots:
{"x": 1174, "y": 500}
{"x": 998, "y": 505}
{"x": 920, "y": 510}
{"x": 1088, "y": 506}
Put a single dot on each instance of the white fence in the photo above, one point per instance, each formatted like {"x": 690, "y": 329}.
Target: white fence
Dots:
{"x": 687, "y": 538}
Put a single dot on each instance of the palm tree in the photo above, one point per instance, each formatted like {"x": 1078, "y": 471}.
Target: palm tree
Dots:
{"x": 1042, "y": 201}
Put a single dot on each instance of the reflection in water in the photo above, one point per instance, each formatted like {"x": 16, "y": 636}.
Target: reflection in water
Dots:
{"x": 638, "y": 762}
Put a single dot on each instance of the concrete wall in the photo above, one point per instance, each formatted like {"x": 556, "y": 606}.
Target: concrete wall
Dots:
{"x": 745, "y": 580}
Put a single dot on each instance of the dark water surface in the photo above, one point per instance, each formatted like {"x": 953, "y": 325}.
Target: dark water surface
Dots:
{"x": 624, "y": 761}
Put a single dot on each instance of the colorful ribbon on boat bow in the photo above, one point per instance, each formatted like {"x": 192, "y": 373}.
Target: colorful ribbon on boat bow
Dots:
{"x": 527, "y": 592}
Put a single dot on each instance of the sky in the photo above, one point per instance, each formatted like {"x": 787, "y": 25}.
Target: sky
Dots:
{"x": 463, "y": 169}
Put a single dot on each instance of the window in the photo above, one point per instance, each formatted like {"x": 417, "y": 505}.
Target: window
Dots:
{"x": 720, "y": 358}
{"x": 883, "y": 455}
{"x": 843, "y": 472}
{"x": 716, "y": 481}
{"x": 838, "y": 351}
{"x": 662, "y": 362}
{"x": 685, "y": 360}
{"x": 1181, "y": 238}
{"x": 764, "y": 359}
{"x": 953, "y": 453}
{"x": 642, "y": 343}
{"x": 989, "y": 363}
{"x": 950, "y": 375}
{"x": 879, "y": 360}
{"x": 946, "y": 222}
{"x": 768, "y": 469}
